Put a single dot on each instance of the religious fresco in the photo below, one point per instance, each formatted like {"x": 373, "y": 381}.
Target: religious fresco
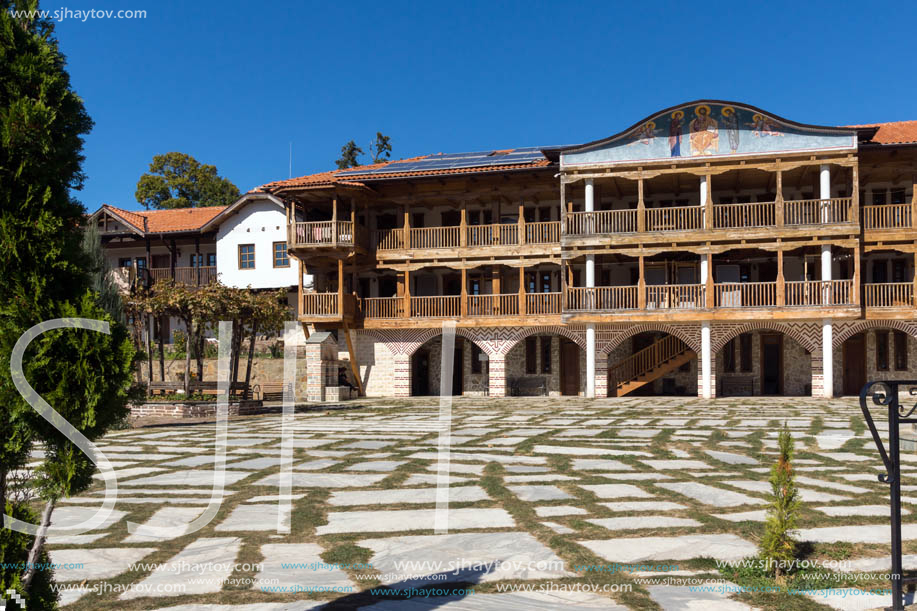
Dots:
{"x": 708, "y": 130}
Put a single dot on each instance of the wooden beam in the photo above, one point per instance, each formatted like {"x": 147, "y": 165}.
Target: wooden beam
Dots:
{"x": 354, "y": 366}
{"x": 781, "y": 282}
{"x": 341, "y": 287}
{"x": 463, "y": 306}
{"x": 779, "y": 212}
{"x": 641, "y": 206}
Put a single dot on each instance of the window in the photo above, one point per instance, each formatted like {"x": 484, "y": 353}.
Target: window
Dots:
{"x": 900, "y": 351}
{"x": 141, "y": 262}
{"x": 546, "y": 354}
{"x": 196, "y": 260}
{"x": 475, "y": 358}
{"x": 882, "y": 350}
{"x": 878, "y": 197}
{"x": 211, "y": 259}
{"x": 246, "y": 256}
{"x": 530, "y": 355}
{"x": 899, "y": 267}
{"x": 897, "y": 196}
{"x": 281, "y": 259}
{"x": 745, "y": 351}
{"x": 729, "y": 356}
{"x": 124, "y": 262}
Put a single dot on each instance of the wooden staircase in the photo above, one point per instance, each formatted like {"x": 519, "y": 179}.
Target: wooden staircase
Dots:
{"x": 647, "y": 365}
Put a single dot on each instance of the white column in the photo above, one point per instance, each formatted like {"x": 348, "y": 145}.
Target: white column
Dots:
{"x": 827, "y": 358}
{"x": 703, "y": 270}
{"x": 705, "y": 361}
{"x": 590, "y": 360}
{"x": 590, "y": 282}
{"x": 703, "y": 195}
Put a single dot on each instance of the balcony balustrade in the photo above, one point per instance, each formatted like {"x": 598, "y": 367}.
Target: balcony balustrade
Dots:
{"x": 326, "y": 234}
{"x": 193, "y": 276}
{"x": 889, "y": 295}
{"x": 675, "y": 296}
{"x": 889, "y": 216}
{"x": 502, "y": 234}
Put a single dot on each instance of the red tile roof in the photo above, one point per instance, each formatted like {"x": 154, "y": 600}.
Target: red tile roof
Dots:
{"x": 896, "y": 132}
{"x": 167, "y": 221}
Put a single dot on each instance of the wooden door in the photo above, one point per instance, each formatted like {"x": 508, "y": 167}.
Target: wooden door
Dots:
{"x": 854, "y": 359}
{"x": 458, "y": 368}
{"x": 420, "y": 384}
{"x": 771, "y": 364}
{"x": 569, "y": 368}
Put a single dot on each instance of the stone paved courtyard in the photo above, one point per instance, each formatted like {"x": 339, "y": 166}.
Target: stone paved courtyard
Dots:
{"x": 540, "y": 489}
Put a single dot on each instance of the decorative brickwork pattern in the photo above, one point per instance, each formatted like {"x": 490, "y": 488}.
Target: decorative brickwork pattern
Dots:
{"x": 808, "y": 334}
{"x": 845, "y": 330}
{"x": 608, "y": 337}
{"x": 497, "y": 375}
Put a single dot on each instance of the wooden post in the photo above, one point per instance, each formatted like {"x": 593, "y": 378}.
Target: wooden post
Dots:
{"x": 354, "y": 366}
{"x": 407, "y": 294}
{"x": 641, "y": 285}
{"x": 781, "y": 282}
{"x": 641, "y": 207}
{"x": 913, "y": 201}
{"x": 334, "y": 219}
{"x": 302, "y": 271}
{"x": 563, "y": 209}
{"x": 855, "y": 194}
{"x": 172, "y": 250}
{"x": 495, "y": 288}
{"x": 779, "y": 212}
{"x": 197, "y": 258}
{"x": 464, "y": 299}
{"x": 407, "y": 226}
{"x": 341, "y": 287}
{"x": 709, "y": 300}
{"x": 463, "y": 225}
{"x": 856, "y": 274}
{"x": 563, "y": 282}
{"x": 522, "y": 290}
{"x": 353, "y": 228}
{"x": 915, "y": 278}
{"x": 521, "y": 222}
{"x": 495, "y": 236}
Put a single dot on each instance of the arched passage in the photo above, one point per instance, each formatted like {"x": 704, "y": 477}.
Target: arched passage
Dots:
{"x": 652, "y": 363}
{"x": 764, "y": 359}
{"x": 874, "y": 350}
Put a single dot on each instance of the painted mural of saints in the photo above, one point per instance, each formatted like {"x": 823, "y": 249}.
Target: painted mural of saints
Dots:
{"x": 644, "y": 134}
{"x": 763, "y": 126}
{"x": 731, "y": 124}
{"x": 675, "y": 133}
{"x": 705, "y": 136}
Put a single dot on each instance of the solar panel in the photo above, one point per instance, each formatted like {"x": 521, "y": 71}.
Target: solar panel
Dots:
{"x": 455, "y": 161}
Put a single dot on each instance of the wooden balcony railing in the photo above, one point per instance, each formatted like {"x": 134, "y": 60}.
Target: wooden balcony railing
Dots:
{"x": 601, "y": 222}
{"x": 320, "y": 305}
{"x": 544, "y": 232}
{"x": 543, "y": 303}
{"x": 383, "y": 307}
{"x": 436, "y": 237}
{"x": 736, "y": 216}
{"x": 818, "y": 211}
{"x": 889, "y": 216}
{"x": 326, "y": 233}
{"x": 442, "y": 306}
{"x": 675, "y": 296}
{"x": 745, "y": 294}
{"x": 645, "y": 360}
{"x": 194, "y": 276}
{"x": 889, "y": 295}
{"x": 388, "y": 239}
{"x": 493, "y": 305}
{"x": 505, "y": 234}
{"x": 802, "y": 293}
{"x": 602, "y": 298}
{"x": 676, "y": 218}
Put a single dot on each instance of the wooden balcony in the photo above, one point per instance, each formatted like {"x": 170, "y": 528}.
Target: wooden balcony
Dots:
{"x": 809, "y": 293}
{"x": 889, "y": 295}
{"x": 327, "y": 307}
{"x": 675, "y": 296}
{"x": 582, "y": 299}
{"x": 794, "y": 213}
{"x": 326, "y": 234}
{"x": 889, "y": 216}
{"x": 473, "y": 236}
{"x": 193, "y": 276}
{"x": 745, "y": 294}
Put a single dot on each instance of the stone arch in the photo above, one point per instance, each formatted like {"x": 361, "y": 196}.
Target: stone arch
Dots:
{"x": 406, "y": 342}
{"x": 807, "y": 335}
{"x": 510, "y": 342}
{"x": 689, "y": 334}
{"x": 850, "y": 329}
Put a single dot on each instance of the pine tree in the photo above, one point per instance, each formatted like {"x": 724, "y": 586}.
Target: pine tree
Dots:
{"x": 350, "y": 156}
{"x": 778, "y": 547}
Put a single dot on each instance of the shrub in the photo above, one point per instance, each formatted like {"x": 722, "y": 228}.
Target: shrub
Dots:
{"x": 778, "y": 546}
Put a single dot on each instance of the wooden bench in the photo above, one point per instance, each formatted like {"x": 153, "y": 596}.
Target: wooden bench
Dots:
{"x": 738, "y": 386}
{"x": 528, "y": 386}
{"x": 272, "y": 391}
{"x": 197, "y": 386}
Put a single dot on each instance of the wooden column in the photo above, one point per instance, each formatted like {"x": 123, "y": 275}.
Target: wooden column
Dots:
{"x": 495, "y": 236}
{"x": 407, "y": 226}
{"x": 334, "y": 219}
{"x": 521, "y": 222}
{"x": 463, "y": 305}
{"x": 915, "y": 278}
{"x": 341, "y": 287}
{"x": 563, "y": 283}
{"x": 353, "y": 228}
{"x": 197, "y": 258}
{"x": 857, "y": 255}
{"x": 709, "y": 300}
{"x": 641, "y": 207}
{"x": 407, "y": 294}
{"x": 781, "y": 282}
{"x": 855, "y": 194}
{"x": 522, "y": 290}
{"x": 172, "y": 251}
{"x": 302, "y": 271}
{"x": 495, "y": 288}
{"x": 563, "y": 208}
{"x": 463, "y": 225}
{"x": 641, "y": 285}
{"x": 778, "y": 205}
{"x": 913, "y": 200}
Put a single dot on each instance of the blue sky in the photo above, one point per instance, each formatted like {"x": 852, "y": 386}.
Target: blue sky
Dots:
{"x": 233, "y": 83}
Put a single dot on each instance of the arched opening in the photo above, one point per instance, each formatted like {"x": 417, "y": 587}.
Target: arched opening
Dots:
{"x": 875, "y": 353}
{"x": 652, "y": 363}
{"x": 426, "y": 367}
{"x": 763, "y": 362}
{"x": 545, "y": 364}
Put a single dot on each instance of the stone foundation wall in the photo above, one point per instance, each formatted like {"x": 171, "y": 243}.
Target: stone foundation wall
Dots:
{"x": 198, "y": 409}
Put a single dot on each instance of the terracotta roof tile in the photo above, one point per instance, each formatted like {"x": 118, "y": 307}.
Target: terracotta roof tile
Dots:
{"x": 896, "y": 132}
{"x": 167, "y": 221}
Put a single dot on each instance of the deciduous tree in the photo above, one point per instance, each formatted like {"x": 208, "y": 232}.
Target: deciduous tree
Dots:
{"x": 178, "y": 180}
